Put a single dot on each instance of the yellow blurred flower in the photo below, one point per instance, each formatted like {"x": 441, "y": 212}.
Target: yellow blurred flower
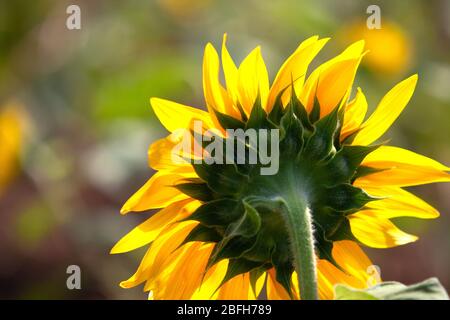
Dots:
{"x": 390, "y": 49}
{"x": 181, "y": 9}
{"x": 10, "y": 143}
{"x": 225, "y": 231}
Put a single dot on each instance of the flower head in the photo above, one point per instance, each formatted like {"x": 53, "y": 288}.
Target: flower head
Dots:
{"x": 225, "y": 230}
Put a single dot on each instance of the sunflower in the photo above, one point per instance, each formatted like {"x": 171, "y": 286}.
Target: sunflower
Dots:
{"x": 224, "y": 231}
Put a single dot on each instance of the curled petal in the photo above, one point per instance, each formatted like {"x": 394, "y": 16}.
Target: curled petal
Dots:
{"x": 347, "y": 63}
{"x": 377, "y": 232}
{"x": 175, "y": 116}
{"x": 294, "y": 70}
{"x": 355, "y": 111}
{"x": 386, "y": 112}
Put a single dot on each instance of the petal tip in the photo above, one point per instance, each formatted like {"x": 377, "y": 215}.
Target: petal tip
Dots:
{"x": 125, "y": 209}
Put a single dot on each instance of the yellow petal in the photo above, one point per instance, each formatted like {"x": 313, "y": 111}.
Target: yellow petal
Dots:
{"x": 140, "y": 275}
{"x": 404, "y": 175}
{"x": 397, "y": 202}
{"x": 353, "y": 260}
{"x": 329, "y": 70}
{"x": 350, "y": 256}
{"x": 157, "y": 192}
{"x": 253, "y": 80}
{"x": 231, "y": 78}
{"x": 294, "y": 70}
{"x": 377, "y": 232}
{"x": 164, "y": 155}
{"x": 237, "y": 288}
{"x": 211, "y": 282}
{"x": 275, "y": 291}
{"x": 398, "y": 156}
{"x": 216, "y": 96}
{"x": 170, "y": 238}
{"x": 334, "y": 83}
{"x": 354, "y": 115}
{"x": 175, "y": 116}
{"x": 402, "y": 168}
{"x": 147, "y": 231}
{"x": 386, "y": 112}
{"x": 185, "y": 278}
{"x": 163, "y": 250}
{"x": 328, "y": 276}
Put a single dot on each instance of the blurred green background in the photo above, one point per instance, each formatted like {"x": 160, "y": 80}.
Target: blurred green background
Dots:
{"x": 79, "y": 101}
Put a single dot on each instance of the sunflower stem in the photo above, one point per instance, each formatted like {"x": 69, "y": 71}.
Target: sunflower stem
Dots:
{"x": 299, "y": 225}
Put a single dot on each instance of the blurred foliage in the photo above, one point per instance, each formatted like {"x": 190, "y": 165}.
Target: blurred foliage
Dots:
{"x": 82, "y": 98}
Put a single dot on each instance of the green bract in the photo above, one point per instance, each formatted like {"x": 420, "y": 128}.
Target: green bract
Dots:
{"x": 246, "y": 213}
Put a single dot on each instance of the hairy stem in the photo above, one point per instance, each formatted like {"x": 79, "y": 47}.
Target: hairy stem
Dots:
{"x": 299, "y": 225}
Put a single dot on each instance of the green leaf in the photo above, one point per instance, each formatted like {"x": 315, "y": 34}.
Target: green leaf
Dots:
{"x": 430, "y": 289}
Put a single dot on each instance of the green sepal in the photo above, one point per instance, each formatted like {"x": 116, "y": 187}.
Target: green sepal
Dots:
{"x": 314, "y": 115}
{"x": 345, "y": 197}
{"x": 258, "y": 117}
{"x": 222, "y": 178}
{"x": 277, "y": 110}
{"x": 229, "y": 122}
{"x": 217, "y": 213}
{"x": 197, "y": 190}
{"x": 283, "y": 273}
{"x": 363, "y": 171}
{"x": 325, "y": 250}
{"x": 248, "y": 225}
{"x": 229, "y": 248}
{"x": 301, "y": 113}
{"x": 342, "y": 232}
{"x": 255, "y": 274}
{"x": 320, "y": 145}
{"x": 237, "y": 267}
{"x": 291, "y": 133}
{"x": 344, "y": 165}
{"x": 340, "y": 123}
{"x": 202, "y": 233}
